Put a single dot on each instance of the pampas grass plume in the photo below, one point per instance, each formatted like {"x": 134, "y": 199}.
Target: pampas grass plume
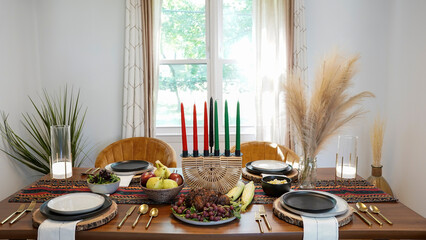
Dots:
{"x": 377, "y": 135}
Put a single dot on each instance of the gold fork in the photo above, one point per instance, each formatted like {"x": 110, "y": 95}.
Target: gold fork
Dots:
{"x": 87, "y": 171}
{"x": 258, "y": 220}
{"x": 29, "y": 209}
{"x": 262, "y": 213}
{"x": 20, "y": 209}
{"x": 93, "y": 172}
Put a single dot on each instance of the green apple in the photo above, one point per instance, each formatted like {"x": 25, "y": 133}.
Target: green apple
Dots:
{"x": 169, "y": 183}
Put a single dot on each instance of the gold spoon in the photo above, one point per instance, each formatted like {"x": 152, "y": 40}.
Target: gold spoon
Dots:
{"x": 152, "y": 213}
{"x": 361, "y": 206}
{"x": 375, "y": 209}
{"x": 143, "y": 209}
{"x": 362, "y": 217}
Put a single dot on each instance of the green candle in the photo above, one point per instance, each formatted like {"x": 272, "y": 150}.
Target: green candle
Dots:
{"x": 237, "y": 144}
{"x": 226, "y": 130}
{"x": 216, "y": 130}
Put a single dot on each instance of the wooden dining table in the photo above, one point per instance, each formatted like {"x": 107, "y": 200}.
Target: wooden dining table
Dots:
{"x": 407, "y": 224}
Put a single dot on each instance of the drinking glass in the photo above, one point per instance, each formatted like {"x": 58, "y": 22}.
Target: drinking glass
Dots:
{"x": 346, "y": 157}
{"x": 60, "y": 145}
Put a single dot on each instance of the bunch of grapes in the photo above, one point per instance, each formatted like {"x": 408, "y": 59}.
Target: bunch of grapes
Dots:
{"x": 211, "y": 211}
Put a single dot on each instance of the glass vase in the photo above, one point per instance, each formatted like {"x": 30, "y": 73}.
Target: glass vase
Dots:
{"x": 60, "y": 159}
{"x": 378, "y": 180}
{"x": 307, "y": 177}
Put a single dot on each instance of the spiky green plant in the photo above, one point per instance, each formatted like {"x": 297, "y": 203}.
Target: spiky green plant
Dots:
{"x": 34, "y": 152}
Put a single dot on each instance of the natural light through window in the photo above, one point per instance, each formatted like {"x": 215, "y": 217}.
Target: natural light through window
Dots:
{"x": 205, "y": 51}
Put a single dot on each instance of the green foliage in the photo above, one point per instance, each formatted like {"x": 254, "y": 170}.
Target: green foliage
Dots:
{"x": 34, "y": 152}
{"x": 103, "y": 177}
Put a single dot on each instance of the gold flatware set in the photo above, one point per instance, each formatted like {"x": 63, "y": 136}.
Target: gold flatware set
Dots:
{"x": 21, "y": 211}
{"x": 142, "y": 210}
{"x": 258, "y": 217}
{"x": 90, "y": 171}
{"x": 374, "y": 209}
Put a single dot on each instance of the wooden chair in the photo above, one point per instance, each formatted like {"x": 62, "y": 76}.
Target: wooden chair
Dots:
{"x": 137, "y": 148}
{"x": 257, "y": 150}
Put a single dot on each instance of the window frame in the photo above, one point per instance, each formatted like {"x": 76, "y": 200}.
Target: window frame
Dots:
{"x": 214, "y": 62}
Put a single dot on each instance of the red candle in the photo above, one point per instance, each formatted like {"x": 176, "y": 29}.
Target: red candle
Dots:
{"x": 185, "y": 146}
{"x": 206, "y": 130}
{"x": 195, "y": 130}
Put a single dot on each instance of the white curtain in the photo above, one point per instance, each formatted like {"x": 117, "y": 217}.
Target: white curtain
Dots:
{"x": 271, "y": 69}
{"x": 280, "y": 49}
{"x": 133, "y": 95}
{"x": 140, "y": 67}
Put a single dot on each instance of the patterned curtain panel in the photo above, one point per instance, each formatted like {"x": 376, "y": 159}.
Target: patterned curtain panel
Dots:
{"x": 280, "y": 48}
{"x": 140, "y": 68}
{"x": 133, "y": 95}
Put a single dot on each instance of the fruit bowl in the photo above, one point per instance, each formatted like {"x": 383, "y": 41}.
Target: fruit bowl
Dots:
{"x": 162, "y": 195}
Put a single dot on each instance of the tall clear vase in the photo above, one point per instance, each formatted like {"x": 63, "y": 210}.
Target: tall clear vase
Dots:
{"x": 307, "y": 177}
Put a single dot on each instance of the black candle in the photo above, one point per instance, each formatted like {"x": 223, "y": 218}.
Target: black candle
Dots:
{"x": 211, "y": 136}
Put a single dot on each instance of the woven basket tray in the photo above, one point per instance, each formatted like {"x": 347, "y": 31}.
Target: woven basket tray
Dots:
{"x": 218, "y": 173}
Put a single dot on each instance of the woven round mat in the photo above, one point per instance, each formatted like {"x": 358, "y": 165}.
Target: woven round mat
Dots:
{"x": 295, "y": 219}
{"x": 86, "y": 224}
{"x": 257, "y": 178}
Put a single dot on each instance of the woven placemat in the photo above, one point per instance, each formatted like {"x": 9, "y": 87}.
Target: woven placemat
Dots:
{"x": 43, "y": 190}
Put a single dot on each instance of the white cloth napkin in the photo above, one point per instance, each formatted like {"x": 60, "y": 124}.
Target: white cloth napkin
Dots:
{"x": 125, "y": 180}
{"x": 57, "y": 230}
{"x": 320, "y": 228}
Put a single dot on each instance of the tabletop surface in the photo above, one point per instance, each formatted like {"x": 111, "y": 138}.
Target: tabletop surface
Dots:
{"x": 407, "y": 224}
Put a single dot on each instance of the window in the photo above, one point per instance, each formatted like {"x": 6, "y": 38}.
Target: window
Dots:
{"x": 205, "y": 51}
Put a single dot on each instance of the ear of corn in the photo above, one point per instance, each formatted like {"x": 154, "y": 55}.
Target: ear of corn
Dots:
{"x": 235, "y": 193}
{"x": 247, "y": 196}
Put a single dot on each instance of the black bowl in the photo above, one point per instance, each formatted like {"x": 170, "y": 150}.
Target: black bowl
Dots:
{"x": 275, "y": 190}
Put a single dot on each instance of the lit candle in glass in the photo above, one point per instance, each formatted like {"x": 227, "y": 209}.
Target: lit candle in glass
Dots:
{"x": 60, "y": 146}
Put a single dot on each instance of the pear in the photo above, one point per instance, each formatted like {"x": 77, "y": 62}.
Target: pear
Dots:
{"x": 154, "y": 183}
{"x": 161, "y": 171}
{"x": 169, "y": 183}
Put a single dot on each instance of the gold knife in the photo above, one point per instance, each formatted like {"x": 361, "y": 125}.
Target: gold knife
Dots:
{"x": 29, "y": 209}
{"x": 258, "y": 219}
{"x": 262, "y": 213}
{"x": 128, "y": 213}
{"x": 20, "y": 210}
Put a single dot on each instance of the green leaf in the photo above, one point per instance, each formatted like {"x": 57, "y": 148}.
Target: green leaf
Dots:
{"x": 34, "y": 151}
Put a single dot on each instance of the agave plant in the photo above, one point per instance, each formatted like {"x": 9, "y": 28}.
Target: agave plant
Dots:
{"x": 34, "y": 151}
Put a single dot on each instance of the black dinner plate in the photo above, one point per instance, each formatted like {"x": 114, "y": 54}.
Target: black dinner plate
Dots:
{"x": 311, "y": 202}
{"x": 44, "y": 209}
{"x": 255, "y": 171}
{"x": 129, "y": 166}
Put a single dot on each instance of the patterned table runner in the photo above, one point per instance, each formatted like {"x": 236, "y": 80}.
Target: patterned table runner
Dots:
{"x": 43, "y": 190}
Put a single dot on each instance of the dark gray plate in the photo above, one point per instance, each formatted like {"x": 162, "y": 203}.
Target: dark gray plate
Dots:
{"x": 44, "y": 209}
{"x": 311, "y": 202}
{"x": 129, "y": 166}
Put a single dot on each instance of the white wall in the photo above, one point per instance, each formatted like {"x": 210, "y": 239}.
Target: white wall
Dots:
{"x": 390, "y": 39}
{"x": 18, "y": 78}
{"x": 48, "y": 44}
{"x": 81, "y": 44}
{"x": 405, "y": 138}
